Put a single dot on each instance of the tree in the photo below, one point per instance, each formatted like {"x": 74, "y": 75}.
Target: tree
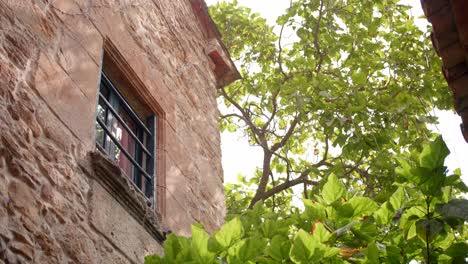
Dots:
{"x": 343, "y": 86}
{"x": 421, "y": 220}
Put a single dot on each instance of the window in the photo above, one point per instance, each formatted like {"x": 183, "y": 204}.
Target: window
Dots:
{"x": 125, "y": 137}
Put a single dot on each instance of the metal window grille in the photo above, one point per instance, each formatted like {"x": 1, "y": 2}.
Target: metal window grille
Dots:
{"x": 125, "y": 138}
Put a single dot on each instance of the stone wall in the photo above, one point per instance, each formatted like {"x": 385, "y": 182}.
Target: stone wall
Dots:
{"x": 52, "y": 208}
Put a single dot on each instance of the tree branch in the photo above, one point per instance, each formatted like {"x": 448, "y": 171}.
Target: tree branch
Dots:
{"x": 316, "y": 37}
{"x": 286, "y": 185}
{"x": 266, "y": 170}
{"x": 288, "y": 134}
{"x": 273, "y": 112}
{"x": 273, "y": 198}
{"x": 259, "y": 137}
{"x": 288, "y": 165}
{"x": 232, "y": 115}
{"x": 303, "y": 178}
{"x": 280, "y": 50}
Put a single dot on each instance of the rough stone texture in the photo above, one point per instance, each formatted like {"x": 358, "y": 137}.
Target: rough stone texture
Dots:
{"x": 51, "y": 209}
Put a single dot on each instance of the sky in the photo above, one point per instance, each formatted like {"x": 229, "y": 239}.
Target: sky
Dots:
{"x": 240, "y": 157}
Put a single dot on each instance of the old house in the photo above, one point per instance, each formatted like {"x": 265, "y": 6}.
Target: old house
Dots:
{"x": 108, "y": 127}
{"x": 450, "y": 40}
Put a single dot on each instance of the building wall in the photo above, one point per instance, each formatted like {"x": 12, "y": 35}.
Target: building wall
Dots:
{"x": 52, "y": 209}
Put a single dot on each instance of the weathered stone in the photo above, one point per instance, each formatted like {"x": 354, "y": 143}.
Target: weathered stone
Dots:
{"x": 48, "y": 193}
{"x": 79, "y": 66}
{"x": 4, "y": 232}
{"x": 68, "y": 101}
{"x": 7, "y": 81}
{"x": 48, "y": 246}
{"x": 22, "y": 249}
{"x": 23, "y": 198}
{"x": 10, "y": 257}
{"x": 76, "y": 243}
{"x": 60, "y": 201}
{"x": 18, "y": 49}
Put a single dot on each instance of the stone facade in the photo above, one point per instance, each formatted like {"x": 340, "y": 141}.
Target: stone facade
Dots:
{"x": 61, "y": 201}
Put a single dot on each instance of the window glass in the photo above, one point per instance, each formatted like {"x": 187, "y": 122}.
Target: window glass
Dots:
{"x": 124, "y": 137}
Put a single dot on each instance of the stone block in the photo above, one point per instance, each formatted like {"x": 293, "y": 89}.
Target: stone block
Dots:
{"x": 66, "y": 99}
{"x": 177, "y": 219}
{"x": 79, "y": 66}
{"x": 79, "y": 28}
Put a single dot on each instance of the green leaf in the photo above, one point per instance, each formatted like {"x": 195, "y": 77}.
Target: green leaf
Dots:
{"x": 333, "y": 189}
{"x": 455, "y": 181}
{"x": 428, "y": 229}
{"x": 429, "y": 181}
{"x": 362, "y": 206}
{"x": 382, "y": 215}
{"x": 411, "y": 229}
{"x": 303, "y": 249}
{"x": 200, "y": 250}
{"x": 458, "y": 250}
{"x": 394, "y": 255}
{"x": 321, "y": 234}
{"x": 359, "y": 78}
{"x": 457, "y": 208}
{"x": 366, "y": 231}
{"x": 433, "y": 181}
{"x": 172, "y": 247}
{"x": 153, "y": 259}
{"x": 229, "y": 233}
{"x": 417, "y": 175}
{"x": 397, "y": 199}
{"x": 434, "y": 154}
{"x": 268, "y": 228}
{"x": 404, "y": 169}
{"x": 279, "y": 248}
{"x": 372, "y": 253}
{"x": 345, "y": 210}
{"x": 246, "y": 249}
{"x": 307, "y": 249}
{"x": 313, "y": 210}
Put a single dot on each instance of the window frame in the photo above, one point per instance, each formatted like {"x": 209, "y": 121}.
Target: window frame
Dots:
{"x": 111, "y": 107}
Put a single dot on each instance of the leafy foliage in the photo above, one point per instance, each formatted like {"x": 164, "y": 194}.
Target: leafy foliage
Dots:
{"x": 337, "y": 86}
{"x": 344, "y": 227}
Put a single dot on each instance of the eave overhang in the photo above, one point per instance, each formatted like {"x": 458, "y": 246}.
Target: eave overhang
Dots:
{"x": 449, "y": 19}
{"x": 223, "y": 67}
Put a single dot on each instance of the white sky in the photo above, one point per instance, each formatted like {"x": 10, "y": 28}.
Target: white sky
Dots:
{"x": 239, "y": 157}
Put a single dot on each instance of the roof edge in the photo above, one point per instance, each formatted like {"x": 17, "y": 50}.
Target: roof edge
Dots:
{"x": 224, "y": 68}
